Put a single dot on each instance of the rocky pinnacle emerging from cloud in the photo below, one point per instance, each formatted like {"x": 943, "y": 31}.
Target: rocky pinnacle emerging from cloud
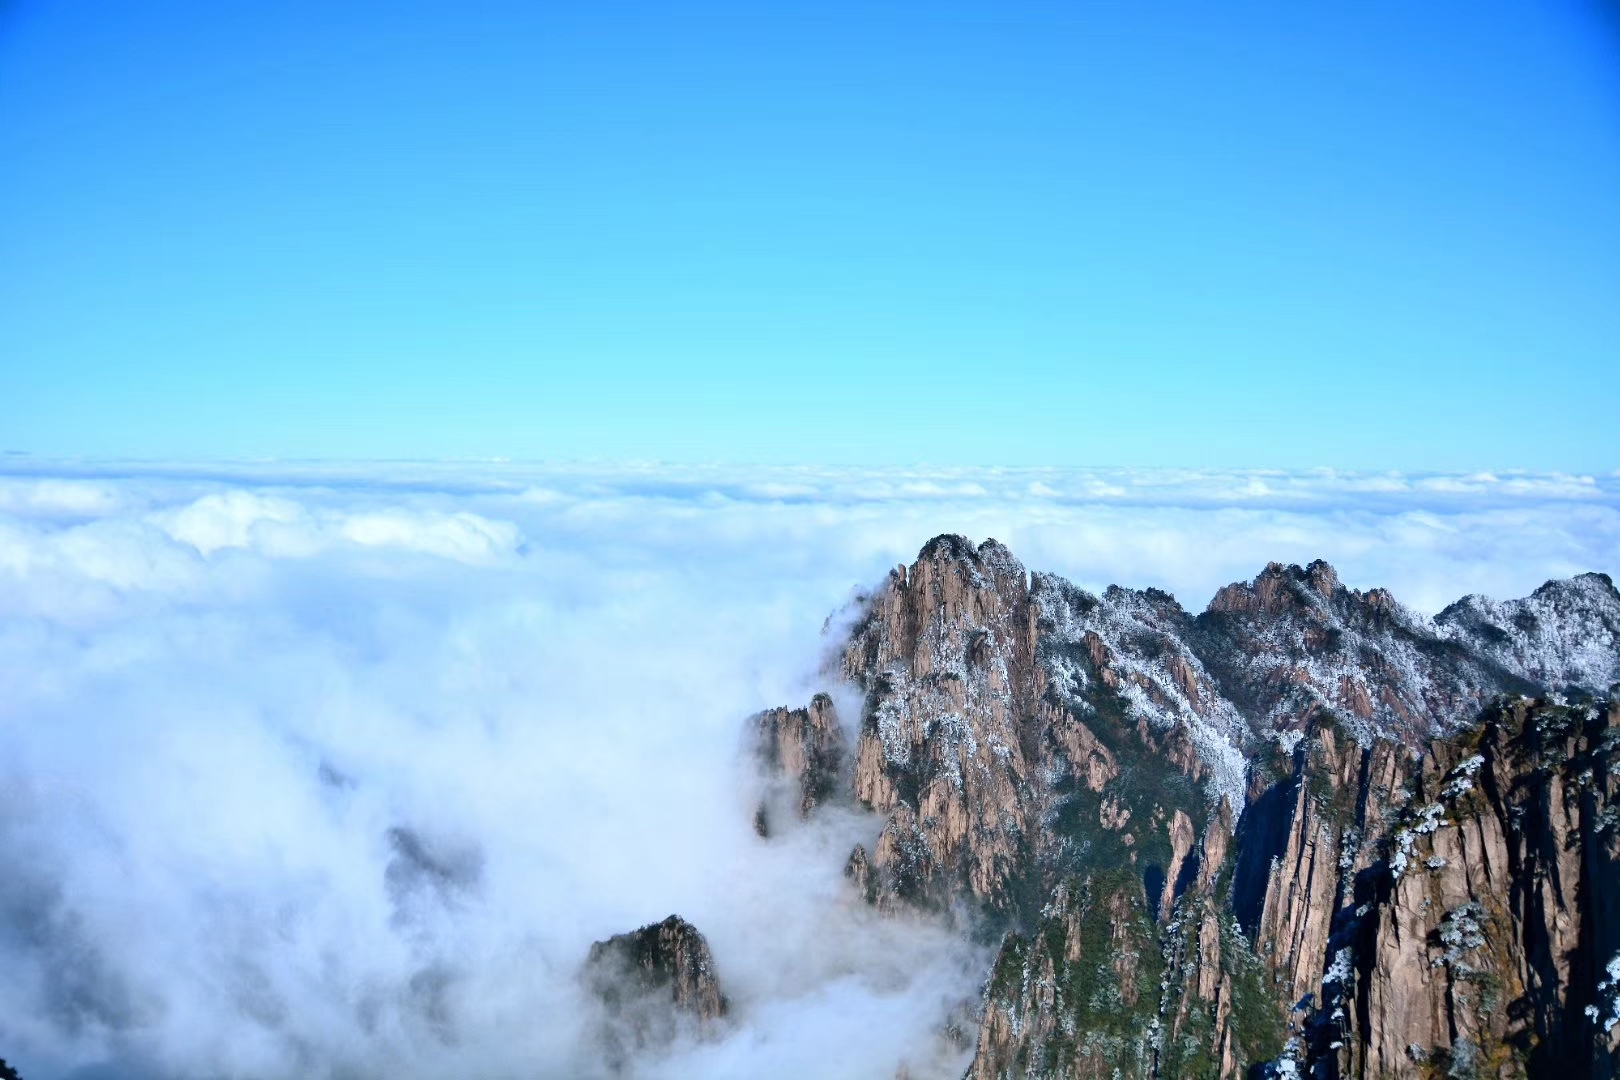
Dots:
{"x": 655, "y": 985}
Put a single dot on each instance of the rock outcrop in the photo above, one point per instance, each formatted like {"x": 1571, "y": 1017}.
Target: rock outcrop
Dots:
{"x": 802, "y": 752}
{"x": 946, "y": 656}
{"x": 1452, "y": 913}
{"x": 655, "y": 985}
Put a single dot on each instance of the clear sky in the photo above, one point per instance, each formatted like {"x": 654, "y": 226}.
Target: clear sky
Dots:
{"x": 1368, "y": 235}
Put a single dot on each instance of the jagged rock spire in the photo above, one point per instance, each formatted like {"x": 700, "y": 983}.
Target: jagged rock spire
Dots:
{"x": 654, "y": 984}
{"x": 803, "y": 754}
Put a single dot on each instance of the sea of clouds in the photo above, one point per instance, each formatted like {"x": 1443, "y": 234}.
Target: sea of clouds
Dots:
{"x": 319, "y": 770}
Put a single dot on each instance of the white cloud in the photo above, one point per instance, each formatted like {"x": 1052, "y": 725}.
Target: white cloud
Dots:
{"x": 235, "y": 519}
{"x": 51, "y": 497}
{"x": 225, "y": 687}
{"x": 279, "y": 527}
{"x": 464, "y": 537}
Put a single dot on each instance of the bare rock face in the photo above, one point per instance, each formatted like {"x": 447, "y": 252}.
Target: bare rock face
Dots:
{"x": 803, "y": 754}
{"x": 997, "y": 724}
{"x": 1487, "y": 947}
{"x": 1384, "y": 912}
{"x": 946, "y": 657}
{"x": 1301, "y": 845}
{"x": 655, "y": 984}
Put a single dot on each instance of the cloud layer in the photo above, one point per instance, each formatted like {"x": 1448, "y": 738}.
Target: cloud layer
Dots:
{"x": 328, "y": 770}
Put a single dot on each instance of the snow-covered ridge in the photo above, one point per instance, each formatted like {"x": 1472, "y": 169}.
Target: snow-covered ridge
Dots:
{"x": 1565, "y": 634}
{"x": 1266, "y": 657}
{"x": 1145, "y": 658}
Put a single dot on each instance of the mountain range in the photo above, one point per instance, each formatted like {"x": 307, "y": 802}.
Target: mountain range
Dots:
{"x": 1305, "y": 832}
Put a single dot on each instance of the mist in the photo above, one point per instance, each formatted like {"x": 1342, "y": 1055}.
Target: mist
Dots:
{"x": 338, "y": 771}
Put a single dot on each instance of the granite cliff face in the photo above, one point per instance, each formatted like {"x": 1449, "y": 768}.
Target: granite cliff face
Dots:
{"x": 1490, "y": 929}
{"x": 946, "y": 655}
{"x": 1307, "y": 831}
{"x": 802, "y": 753}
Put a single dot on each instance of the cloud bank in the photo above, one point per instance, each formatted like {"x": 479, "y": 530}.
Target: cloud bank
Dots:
{"x": 336, "y": 771}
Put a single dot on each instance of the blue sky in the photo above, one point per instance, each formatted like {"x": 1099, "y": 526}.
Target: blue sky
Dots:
{"x": 1364, "y": 236}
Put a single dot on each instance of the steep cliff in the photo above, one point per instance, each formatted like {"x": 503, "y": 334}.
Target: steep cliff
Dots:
{"x": 1491, "y": 925}
{"x": 946, "y": 656}
{"x": 1434, "y": 912}
{"x": 802, "y": 753}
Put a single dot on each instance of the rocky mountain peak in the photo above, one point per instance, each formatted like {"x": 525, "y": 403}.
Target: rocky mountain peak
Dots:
{"x": 945, "y": 653}
{"x": 664, "y": 956}
{"x": 1284, "y": 590}
{"x": 949, "y": 547}
{"x": 654, "y": 984}
{"x": 990, "y": 555}
{"x": 1323, "y": 578}
{"x": 1296, "y": 644}
{"x": 985, "y": 687}
{"x": 1565, "y": 635}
